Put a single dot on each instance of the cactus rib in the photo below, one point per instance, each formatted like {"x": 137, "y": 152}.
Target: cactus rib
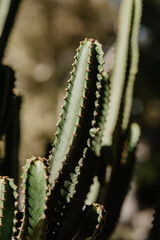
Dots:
{"x": 35, "y": 189}
{"x": 8, "y": 208}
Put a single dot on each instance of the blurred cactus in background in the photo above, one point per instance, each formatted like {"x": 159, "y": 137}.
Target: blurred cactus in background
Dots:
{"x": 66, "y": 195}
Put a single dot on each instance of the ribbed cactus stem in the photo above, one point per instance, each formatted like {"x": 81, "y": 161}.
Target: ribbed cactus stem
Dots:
{"x": 78, "y": 121}
{"x": 35, "y": 181}
{"x": 124, "y": 70}
{"x": 8, "y": 208}
{"x": 76, "y": 118}
{"x": 134, "y": 52}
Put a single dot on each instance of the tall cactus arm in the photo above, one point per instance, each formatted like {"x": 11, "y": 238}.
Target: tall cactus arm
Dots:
{"x": 120, "y": 179}
{"x": 86, "y": 77}
{"x": 119, "y": 70}
{"x": 35, "y": 190}
{"x": 123, "y": 75}
{"x": 134, "y": 62}
{"x": 8, "y": 208}
{"x": 77, "y": 115}
{"x": 8, "y": 10}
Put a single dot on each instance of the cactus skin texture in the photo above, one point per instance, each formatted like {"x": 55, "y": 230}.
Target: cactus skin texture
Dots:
{"x": 94, "y": 130}
{"x": 35, "y": 189}
{"x": 8, "y": 208}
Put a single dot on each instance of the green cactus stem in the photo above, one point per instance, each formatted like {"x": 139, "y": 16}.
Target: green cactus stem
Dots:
{"x": 77, "y": 115}
{"x": 124, "y": 70}
{"x": 35, "y": 181}
{"x": 134, "y": 55}
{"x": 8, "y": 208}
{"x": 78, "y": 121}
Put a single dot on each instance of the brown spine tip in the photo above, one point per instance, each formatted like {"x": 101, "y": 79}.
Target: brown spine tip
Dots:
{"x": 80, "y": 115}
{"x": 84, "y": 97}
{"x": 82, "y": 106}
{"x": 86, "y": 88}
{"x": 77, "y": 125}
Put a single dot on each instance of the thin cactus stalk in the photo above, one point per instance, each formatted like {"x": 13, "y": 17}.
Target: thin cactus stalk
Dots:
{"x": 124, "y": 69}
{"x": 134, "y": 54}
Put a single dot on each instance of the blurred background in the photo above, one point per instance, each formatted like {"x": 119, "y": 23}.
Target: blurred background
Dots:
{"x": 41, "y": 49}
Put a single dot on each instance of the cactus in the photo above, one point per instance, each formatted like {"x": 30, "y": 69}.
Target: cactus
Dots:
{"x": 94, "y": 122}
{"x": 8, "y": 208}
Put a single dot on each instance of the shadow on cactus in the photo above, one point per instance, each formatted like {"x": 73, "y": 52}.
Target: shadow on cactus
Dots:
{"x": 94, "y": 132}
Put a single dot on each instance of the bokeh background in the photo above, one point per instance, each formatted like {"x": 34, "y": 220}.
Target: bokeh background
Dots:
{"x": 41, "y": 49}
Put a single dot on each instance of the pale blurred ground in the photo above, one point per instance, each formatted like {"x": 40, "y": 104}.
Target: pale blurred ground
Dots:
{"x": 40, "y": 50}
